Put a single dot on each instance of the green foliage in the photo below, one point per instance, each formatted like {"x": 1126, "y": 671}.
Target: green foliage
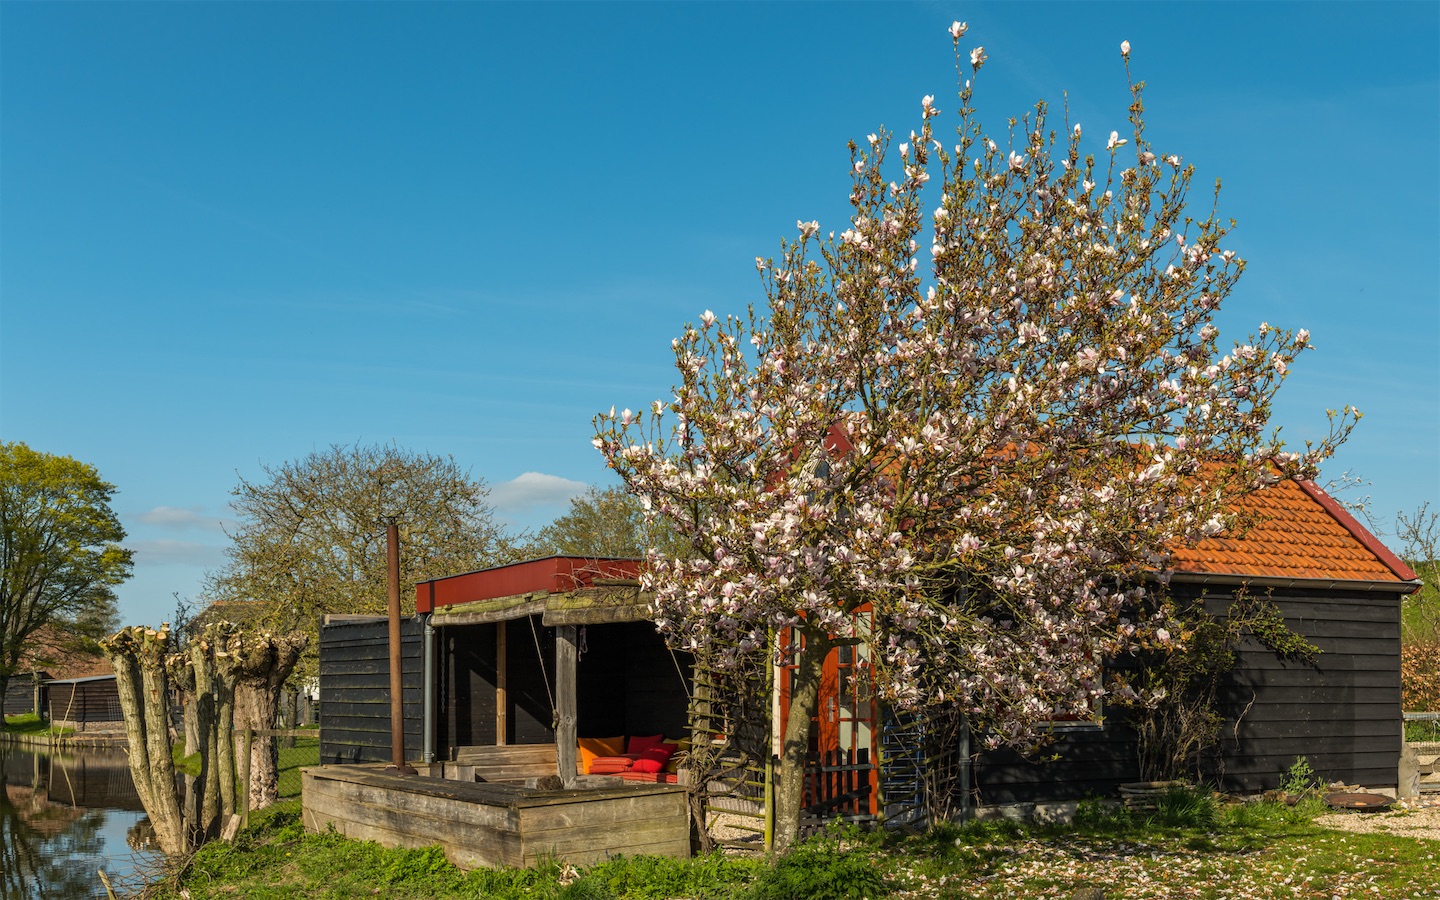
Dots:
{"x": 1095, "y": 814}
{"x": 184, "y": 765}
{"x": 820, "y": 870}
{"x": 1300, "y": 778}
{"x": 60, "y": 558}
{"x": 656, "y": 878}
{"x": 1185, "y": 807}
{"x": 425, "y": 864}
{"x": 311, "y": 537}
{"x": 608, "y": 522}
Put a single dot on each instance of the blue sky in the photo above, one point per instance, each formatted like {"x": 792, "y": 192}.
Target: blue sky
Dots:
{"x": 233, "y": 233}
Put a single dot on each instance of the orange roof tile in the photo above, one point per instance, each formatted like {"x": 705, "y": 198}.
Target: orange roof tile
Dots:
{"x": 1299, "y": 531}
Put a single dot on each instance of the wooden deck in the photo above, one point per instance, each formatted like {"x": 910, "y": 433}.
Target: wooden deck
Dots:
{"x": 497, "y": 824}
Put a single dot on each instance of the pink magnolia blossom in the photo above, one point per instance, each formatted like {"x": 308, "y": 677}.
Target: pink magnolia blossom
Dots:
{"x": 993, "y": 453}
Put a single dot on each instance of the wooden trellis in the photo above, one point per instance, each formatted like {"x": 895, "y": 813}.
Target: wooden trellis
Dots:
{"x": 733, "y": 714}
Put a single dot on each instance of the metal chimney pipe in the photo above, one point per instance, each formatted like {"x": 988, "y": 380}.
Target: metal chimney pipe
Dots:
{"x": 397, "y": 686}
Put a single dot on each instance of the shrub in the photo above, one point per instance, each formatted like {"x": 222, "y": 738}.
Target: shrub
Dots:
{"x": 1420, "y": 674}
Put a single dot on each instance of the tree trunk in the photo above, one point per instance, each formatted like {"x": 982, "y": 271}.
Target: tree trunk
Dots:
{"x": 265, "y": 662}
{"x": 138, "y": 655}
{"x": 795, "y": 748}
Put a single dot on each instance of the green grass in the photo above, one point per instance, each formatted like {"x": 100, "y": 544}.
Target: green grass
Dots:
{"x": 1193, "y": 847}
{"x": 31, "y": 724}
{"x": 306, "y": 752}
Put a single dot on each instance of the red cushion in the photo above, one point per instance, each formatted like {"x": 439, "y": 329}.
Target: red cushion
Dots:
{"x": 609, "y": 765}
{"x": 654, "y": 759}
{"x": 641, "y": 743}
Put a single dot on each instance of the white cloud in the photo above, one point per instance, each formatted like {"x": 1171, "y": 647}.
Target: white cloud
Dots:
{"x": 175, "y": 518}
{"x": 184, "y": 553}
{"x": 531, "y": 490}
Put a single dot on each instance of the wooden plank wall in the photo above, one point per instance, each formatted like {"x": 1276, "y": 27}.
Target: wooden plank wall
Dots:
{"x": 84, "y": 703}
{"x": 498, "y": 824}
{"x": 467, "y": 688}
{"x": 1343, "y": 714}
{"x": 20, "y": 696}
{"x": 530, "y": 681}
{"x": 355, "y": 691}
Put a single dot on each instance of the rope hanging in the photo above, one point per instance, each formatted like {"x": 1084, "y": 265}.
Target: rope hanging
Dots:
{"x": 544, "y": 676}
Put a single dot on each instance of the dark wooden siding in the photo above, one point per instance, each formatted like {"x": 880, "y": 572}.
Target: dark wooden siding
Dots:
{"x": 530, "y": 685}
{"x": 467, "y": 688}
{"x": 630, "y": 684}
{"x": 84, "y": 702}
{"x": 20, "y": 696}
{"x": 1342, "y": 714}
{"x": 355, "y": 691}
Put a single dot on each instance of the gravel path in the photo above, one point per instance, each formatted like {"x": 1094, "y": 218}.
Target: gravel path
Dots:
{"x": 1419, "y": 821}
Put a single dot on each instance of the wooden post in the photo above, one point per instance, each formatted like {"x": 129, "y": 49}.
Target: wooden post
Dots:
{"x": 243, "y": 791}
{"x": 502, "y": 702}
{"x": 397, "y": 682}
{"x": 566, "y": 659}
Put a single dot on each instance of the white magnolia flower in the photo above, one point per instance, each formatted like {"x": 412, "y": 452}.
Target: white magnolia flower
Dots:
{"x": 873, "y": 139}
{"x": 978, "y": 57}
{"x": 1115, "y": 141}
{"x": 807, "y": 229}
{"x": 958, "y": 29}
{"x": 1124, "y": 48}
{"x": 1017, "y": 162}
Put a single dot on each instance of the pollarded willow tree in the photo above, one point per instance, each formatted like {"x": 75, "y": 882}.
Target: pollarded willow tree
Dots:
{"x": 990, "y": 437}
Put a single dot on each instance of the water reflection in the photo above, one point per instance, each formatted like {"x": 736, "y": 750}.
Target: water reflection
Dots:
{"x": 62, "y": 817}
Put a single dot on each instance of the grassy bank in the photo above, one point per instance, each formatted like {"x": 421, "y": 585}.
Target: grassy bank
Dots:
{"x": 30, "y": 725}
{"x": 1191, "y": 848}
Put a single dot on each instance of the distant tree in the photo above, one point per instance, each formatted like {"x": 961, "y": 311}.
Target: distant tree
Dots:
{"x": 1419, "y": 534}
{"x": 605, "y": 522}
{"x": 311, "y": 534}
{"x": 60, "y": 553}
{"x": 978, "y": 414}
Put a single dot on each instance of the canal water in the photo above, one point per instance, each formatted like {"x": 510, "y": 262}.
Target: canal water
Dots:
{"x": 65, "y": 814}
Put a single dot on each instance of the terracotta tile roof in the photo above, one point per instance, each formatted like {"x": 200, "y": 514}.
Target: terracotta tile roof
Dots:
{"x": 1299, "y": 532}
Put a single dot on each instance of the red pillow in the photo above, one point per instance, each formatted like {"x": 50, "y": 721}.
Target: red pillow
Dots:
{"x": 654, "y": 759}
{"x": 641, "y": 743}
{"x": 610, "y": 765}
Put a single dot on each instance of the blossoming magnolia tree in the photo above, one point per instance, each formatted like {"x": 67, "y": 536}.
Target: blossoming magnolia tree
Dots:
{"x": 988, "y": 438}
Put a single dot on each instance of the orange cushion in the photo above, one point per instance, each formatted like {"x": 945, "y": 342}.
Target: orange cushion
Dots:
{"x": 610, "y": 765}
{"x": 593, "y": 748}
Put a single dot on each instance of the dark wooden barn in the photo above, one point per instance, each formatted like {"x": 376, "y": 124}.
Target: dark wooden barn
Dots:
{"x": 25, "y": 693}
{"x": 84, "y": 704}
{"x": 1338, "y": 587}
{"x": 499, "y": 644}
{"x": 355, "y": 688}
{"x": 507, "y": 673}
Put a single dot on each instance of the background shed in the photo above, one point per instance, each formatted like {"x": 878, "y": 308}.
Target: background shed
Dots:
{"x": 355, "y": 688}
